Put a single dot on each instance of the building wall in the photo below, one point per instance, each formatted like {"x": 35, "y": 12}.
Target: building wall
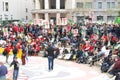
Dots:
{"x": 56, "y": 12}
{"x": 16, "y": 9}
{"x": 104, "y": 11}
{"x": 70, "y": 9}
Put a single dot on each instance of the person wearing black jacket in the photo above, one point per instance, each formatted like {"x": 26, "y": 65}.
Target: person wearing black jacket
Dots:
{"x": 50, "y": 53}
{"x": 16, "y": 68}
{"x": 15, "y": 51}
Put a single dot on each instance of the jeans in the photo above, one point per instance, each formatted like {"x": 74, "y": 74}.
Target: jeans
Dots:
{"x": 3, "y": 78}
{"x": 15, "y": 74}
{"x": 14, "y": 56}
{"x": 50, "y": 62}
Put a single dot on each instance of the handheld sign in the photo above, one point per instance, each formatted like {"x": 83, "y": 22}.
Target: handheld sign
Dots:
{"x": 118, "y": 20}
{"x": 40, "y": 22}
{"x": 64, "y": 21}
{"x": 58, "y": 21}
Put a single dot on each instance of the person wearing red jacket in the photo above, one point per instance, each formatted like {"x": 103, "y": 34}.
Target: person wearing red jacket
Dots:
{"x": 15, "y": 29}
{"x": 37, "y": 49}
{"x": 7, "y": 50}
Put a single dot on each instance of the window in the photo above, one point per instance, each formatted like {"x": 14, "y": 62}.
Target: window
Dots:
{"x": 52, "y": 4}
{"x": 6, "y": 17}
{"x": 108, "y": 5}
{"x": 26, "y": 10}
{"x": 79, "y": 5}
{"x": 88, "y": 5}
{"x": 6, "y": 6}
{"x": 113, "y": 5}
{"x": 118, "y": 3}
{"x": 110, "y": 18}
{"x": 26, "y": 17}
{"x": 99, "y": 5}
{"x": 62, "y": 4}
{"x": 99, "y": 18}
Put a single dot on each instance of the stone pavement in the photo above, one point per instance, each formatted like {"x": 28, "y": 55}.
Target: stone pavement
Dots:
{"x": 37, "y": 69}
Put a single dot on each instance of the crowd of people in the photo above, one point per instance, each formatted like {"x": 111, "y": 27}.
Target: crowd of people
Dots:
{"x": 89, "y": 42}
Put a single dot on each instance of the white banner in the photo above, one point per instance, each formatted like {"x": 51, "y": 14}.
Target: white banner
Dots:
{"x": 35, "y": 22}
{"x": 64, "y": 21}
{"x": 46, "y": 24}
{"x": 52, "y": 22}
{"x": 40, "y": 22}
{"x": 58, "y": 21}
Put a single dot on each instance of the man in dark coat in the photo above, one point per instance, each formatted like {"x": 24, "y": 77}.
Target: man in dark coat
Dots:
{"x": 15, "y": 63}
{"x": 50, "y": 53}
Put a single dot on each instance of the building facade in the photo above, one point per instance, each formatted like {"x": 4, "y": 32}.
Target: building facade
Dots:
{"x": 98, "y": 10}
{"x": 52, "y": 9}
{"x": 15, "y": 9}
{"x": 95, "y": 10}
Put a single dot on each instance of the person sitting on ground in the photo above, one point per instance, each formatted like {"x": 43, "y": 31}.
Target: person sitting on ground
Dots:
{"x": 115, "y": 68}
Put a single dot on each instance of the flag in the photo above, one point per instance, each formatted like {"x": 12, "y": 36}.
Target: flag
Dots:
{"x": 71, "y": 21}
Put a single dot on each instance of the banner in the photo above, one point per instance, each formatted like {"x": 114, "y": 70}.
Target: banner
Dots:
{"x": 52, "y": 22}
{"x": 46, "y": 24}
{"x": 64, "y": 21}
{"x": 30, "y": 22}
{"x": 118, "y": 20}
{"x": 58, "y": 21}
{"x": 70, "y": 21}
{"x": 35, "y": 22}
{"x": 40, "y": 22}
{"x": 68, "y": 28}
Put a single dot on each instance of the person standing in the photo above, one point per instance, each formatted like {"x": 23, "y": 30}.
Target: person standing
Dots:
{"x": 24, "y": 51}
{"x": 7, "y": 50}
{"x": 3, "y": 71}
{"x": 50, "y": 53}
{"x": 15, "y": 63}
{"x": 15, "y": 51}
{"x": 115, "y": 68}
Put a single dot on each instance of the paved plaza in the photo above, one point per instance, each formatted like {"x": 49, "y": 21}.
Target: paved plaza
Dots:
{"x": 36, "y": 69}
